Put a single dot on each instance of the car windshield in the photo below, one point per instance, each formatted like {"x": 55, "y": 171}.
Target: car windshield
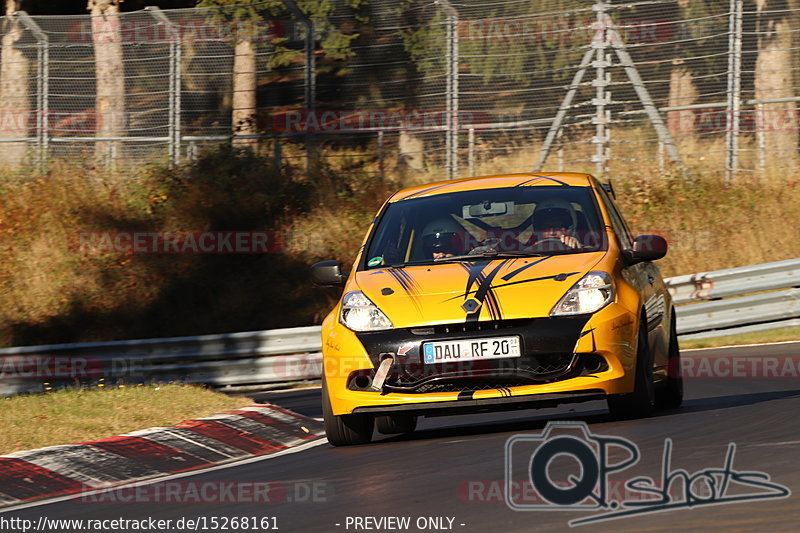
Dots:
{"x": 486, "y": 223}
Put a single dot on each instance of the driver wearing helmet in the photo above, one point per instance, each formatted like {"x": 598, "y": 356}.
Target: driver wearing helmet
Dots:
{"x": 554, "y": 222}
{"x": 441, "y": 238}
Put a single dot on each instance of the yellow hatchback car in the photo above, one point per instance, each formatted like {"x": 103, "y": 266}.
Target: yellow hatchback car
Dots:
{"x": 496, "y": 293}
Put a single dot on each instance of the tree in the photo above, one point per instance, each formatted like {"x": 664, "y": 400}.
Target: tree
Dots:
{"x": 246, "y": 20}
{"x": 14, "y": 82}
{"x": 682, "y": 88}
{"x": 776, "y": 121}
{"x": 243, "y": 17}
{"x": 682, "y": 92}
{"x": 109, "y": 73}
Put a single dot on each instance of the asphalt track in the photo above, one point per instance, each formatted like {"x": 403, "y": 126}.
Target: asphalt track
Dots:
{"x": 453, "y": 467}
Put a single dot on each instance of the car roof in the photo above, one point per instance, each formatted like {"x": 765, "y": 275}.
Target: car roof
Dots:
{"x": 566, "y": 179}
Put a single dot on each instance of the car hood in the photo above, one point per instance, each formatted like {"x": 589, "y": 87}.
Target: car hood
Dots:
{"x": 487, "y": 289}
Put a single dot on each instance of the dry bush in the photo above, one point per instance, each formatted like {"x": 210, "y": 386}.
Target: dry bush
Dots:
{"x": 51, "y": 290}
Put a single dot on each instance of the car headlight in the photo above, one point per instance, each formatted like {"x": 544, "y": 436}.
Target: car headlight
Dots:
{"x": 360, "y": 314}
{"x": 591, "y": 293}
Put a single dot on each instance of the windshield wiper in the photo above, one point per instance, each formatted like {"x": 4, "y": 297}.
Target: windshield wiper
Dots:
{"x": 493, "y": 254}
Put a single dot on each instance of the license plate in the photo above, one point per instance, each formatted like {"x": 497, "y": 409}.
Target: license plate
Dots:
{"x": 471, "y": 349}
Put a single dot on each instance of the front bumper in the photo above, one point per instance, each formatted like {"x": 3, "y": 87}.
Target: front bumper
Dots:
{"x": 484, "y": 405}
{"x": 551, "y": 370}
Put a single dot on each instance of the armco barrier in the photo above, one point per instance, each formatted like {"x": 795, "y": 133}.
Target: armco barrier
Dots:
{"x": 734, "y": 281}
{"x": 707, "y": 304}
{"x": 737, "y": 300}
{"x": 234, "y": 361}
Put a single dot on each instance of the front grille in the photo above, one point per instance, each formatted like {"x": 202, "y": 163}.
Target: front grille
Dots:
{"x": 546, "y": 355}
{"x": 437, "y": 378}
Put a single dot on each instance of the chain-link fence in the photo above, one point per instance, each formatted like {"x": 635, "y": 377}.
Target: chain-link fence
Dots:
{"x": 458, "y": 88}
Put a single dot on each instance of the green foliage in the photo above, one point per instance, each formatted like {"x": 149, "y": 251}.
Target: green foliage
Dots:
{"x": 424, "y": 45}
{"x": 335, "y": 43}
{"x": 510, "y": 40}
{"x": 244, "y": 10}
{"x": 361, "y": 8}
{"x": 239, "y": 14}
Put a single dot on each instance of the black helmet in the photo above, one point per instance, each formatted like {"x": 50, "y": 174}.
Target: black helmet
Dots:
{"x": 441, "y": 236}
{"x": 553, "y": 214}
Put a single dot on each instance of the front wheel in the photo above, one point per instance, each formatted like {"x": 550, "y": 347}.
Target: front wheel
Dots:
{"x": 344, "y": 430}
{"x": 641, "y": 402}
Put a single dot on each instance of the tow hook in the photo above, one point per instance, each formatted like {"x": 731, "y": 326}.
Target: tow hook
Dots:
{"x": 387, "y": 359}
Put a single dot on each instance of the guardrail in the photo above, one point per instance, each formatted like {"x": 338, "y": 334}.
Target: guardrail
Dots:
{"x": 708, "y": 304}
{"x": 737, "y": 300}
{"x": 734, "y": 281}
{"x": 236, "y": 362}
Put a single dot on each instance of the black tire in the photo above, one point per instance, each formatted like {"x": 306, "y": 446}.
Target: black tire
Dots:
{"x": 400, "y": 423}
{"x": 671, "y": 395}
{"x": 641, "y": 402}
{"x": 344, "y": 430}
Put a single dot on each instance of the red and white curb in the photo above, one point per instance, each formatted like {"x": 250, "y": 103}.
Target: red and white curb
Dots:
{"x": 152, "y": 453}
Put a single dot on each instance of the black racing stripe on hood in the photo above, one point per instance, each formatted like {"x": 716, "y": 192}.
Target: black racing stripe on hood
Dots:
{"x": 410, "y": 281}
{"x": 484, "y": 292}
{"x": 493, "y": 306}
{"x": 512, "y": 283}
{"x": 408, "y": 285}
{"x": 474, "y": 274}
{"x": 475, "y": 271}
{"x": 475, "y": 315}
{"x": 534, "y": 279}
{"x": 510, "y": 275}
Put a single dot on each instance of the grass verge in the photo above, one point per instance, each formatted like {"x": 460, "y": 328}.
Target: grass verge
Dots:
{"x": 68, "y": 416}
{"x": 758, "y": 337}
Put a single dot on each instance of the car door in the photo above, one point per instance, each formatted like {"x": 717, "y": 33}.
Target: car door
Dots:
{"x": 646, "y": 279}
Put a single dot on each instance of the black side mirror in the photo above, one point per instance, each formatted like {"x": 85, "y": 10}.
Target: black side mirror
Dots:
{"x": 328, "y": 273}
{"x": 645, "y": 248}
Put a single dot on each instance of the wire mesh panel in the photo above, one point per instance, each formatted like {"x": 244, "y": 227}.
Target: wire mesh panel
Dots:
{"x": 448, "y": 87}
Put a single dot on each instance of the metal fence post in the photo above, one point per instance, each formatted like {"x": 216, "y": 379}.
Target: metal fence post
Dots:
{"x": 42, "y": 88}
{"x": 601, "y": 81}
{"x": 471, "y": 150}
{"x": 560, "y": 151}
{"x": 380, "y": 154}
{"x": 174, "y": 114}
{"x": 734, "y": 90}
{"x": 451, "y": 75}
{"x": 761, "y": 141}
{"x": 310, "y": 93}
